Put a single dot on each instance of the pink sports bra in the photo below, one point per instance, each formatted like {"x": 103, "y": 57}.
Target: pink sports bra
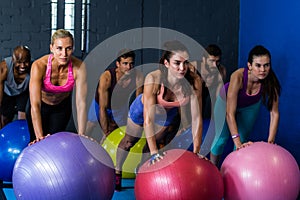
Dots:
{"x": 168, "y": 104}
{"x": 49, "y": 87}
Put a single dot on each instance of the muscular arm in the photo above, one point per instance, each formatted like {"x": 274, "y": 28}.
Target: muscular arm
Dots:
{"x": 139, "y": 83}
{"x": 149, "y": 100}
{"x": 35, "y": 86}
{"x": 81, "y": 93}
{"x": 3, "y": 75}
{"x": 104, "y": 84}
{"x": 231, "y": 104}
{"x": 274, "y": 120}
{"x": 196, "y": 111}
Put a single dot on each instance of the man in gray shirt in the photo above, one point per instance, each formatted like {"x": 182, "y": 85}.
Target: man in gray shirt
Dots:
{"x": 14, "y": 83}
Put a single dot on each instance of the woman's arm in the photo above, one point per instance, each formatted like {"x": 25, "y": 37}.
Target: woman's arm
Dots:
{"x": 274, "y": 120}
{"x": 236, "y": 83}
{"x": 81, "y": 93}
{"x": 149, "y": 101}
{"x": 139, "y": 83}
{"x": 196, "y": 111}
{"x": 35, "y": 87}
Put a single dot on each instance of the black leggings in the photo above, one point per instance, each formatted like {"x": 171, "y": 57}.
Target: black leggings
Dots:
{"x": 55, "y": 118}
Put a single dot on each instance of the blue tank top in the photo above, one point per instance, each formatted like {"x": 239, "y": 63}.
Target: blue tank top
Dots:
{"x": 136, "y": 113}
{"x": 244, "y": 99}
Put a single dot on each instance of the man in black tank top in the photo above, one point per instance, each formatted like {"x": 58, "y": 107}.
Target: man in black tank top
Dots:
{"x": 116, "y": 87}
{"x": 209, "y": 68}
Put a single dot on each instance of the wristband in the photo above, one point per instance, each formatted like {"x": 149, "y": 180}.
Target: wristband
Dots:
{"x": 154, "y": 157}
{"x": 235, "y": 136}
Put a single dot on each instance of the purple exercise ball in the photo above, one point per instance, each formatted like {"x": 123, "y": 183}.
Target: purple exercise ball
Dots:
{"x": 64, "y": 166}
{"x": 261, "y": 171}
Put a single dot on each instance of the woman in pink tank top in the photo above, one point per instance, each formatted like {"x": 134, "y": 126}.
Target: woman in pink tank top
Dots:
{"x": 52, "y": 81}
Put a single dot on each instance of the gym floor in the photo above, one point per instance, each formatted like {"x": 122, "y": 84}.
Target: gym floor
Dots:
{"x": 126, "y": 194}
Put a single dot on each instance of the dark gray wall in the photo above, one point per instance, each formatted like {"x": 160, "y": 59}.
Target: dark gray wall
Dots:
{"x": 24, "y": 23}
{"x": 214, "y": 21}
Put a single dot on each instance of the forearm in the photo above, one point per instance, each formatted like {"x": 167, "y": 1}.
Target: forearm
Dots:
{"x": 274, "y": 120}
{"x": 231, "y": 121}
{"x": 103, "y": 120}
{"x": 151, "y": 141}
{"x": 82, "y": 118}
{"x": 37, "y": 122}
{"x": 150, "y": 136}
{"x": 197, "y": 127}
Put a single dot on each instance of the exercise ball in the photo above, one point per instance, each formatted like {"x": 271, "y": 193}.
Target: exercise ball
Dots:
{"x": 14, "y": 137}
{"x": 64, "y": 166}
{"x": 261, "y": 171}
{"x": 185, "y": 139}
{"x": 181, "y": 174}
{"x": 134, "y": 157}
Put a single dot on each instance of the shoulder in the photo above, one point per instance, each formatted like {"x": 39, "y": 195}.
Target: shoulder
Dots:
{"x": 3, "y": 70}
{"x": 238, "y": 73}
{"x": 153, "y": 77}
{"x": 105, "y": 80}
{"x": 77, "y": 63}
{"x": 3, "y": 65}
{"x": 139, "y": 75}
{"x": 40, "y": 63}
{"x": 106, "y": 75}
{"x": 237, "y": 76}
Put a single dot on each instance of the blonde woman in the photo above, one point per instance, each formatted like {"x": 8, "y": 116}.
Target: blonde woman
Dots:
{"x": 53, "y": 78}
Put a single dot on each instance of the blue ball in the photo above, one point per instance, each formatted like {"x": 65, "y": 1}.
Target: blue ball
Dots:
{"x": 185, "y": 139}
{"x": 14, "y": 137}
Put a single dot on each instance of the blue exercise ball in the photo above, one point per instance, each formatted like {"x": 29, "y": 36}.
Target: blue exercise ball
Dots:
{"x": 64, "y": 166}
{"x": 14, "y": 137}
{"x": 185, "y": 139}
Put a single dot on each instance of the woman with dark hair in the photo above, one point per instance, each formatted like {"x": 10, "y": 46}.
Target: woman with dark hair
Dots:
{"x": 156, "y": 111}
{"x": 241, "y": 98}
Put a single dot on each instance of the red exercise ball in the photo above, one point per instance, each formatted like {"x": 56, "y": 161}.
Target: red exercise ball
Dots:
{"x": 180, "y": 174}
{"x": 261, "y": 171}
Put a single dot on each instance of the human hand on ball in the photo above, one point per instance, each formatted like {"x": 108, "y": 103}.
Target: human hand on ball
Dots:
{"x": 201, "y": 156}
{"x": 156, "y": 157}
{"x": 38, "y": 139}
{"x": 244, "y": 145}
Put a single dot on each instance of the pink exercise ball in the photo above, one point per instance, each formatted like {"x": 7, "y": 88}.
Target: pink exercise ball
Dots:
{"x": 180, "y": 174}
{"x": 261, "y": 171}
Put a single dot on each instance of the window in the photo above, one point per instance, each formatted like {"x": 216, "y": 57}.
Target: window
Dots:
{"x": 73, "y": 17}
